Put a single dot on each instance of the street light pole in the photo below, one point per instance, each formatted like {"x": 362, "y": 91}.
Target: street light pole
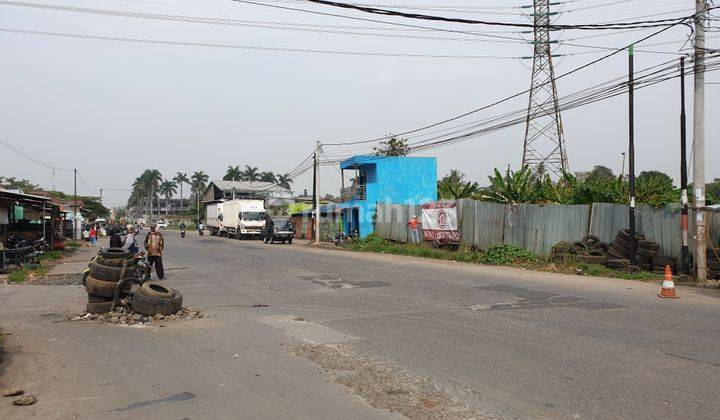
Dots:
{"x": 75, "y": 205}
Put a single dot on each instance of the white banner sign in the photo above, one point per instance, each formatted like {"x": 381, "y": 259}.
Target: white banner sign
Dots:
{"x": 439, "y": 222}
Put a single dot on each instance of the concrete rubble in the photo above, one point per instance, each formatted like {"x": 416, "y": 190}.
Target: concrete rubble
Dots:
{"x": 126, "y": 316}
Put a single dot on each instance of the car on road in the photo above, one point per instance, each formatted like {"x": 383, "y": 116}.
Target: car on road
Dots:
{"x": 161, "y": 224}
{"x": 281, "y": 229}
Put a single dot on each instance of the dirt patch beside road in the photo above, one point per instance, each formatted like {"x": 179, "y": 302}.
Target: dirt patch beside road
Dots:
{"x": 385, "y": 387}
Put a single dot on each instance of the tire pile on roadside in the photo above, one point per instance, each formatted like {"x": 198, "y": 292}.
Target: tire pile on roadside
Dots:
{"x": 115, "y": 264}
{"x": 105, "y": 271}
{"x": 590, "y": 250}
{"x": 646, "y": 252}
{"x": 713, "y": 263}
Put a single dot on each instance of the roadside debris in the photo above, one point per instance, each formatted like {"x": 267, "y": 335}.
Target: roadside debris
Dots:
{"x": 12, "y": 391}
{"x": 26, "y": 399}
{"x": 384, "y": 386}
{"x": 126, "y": 316}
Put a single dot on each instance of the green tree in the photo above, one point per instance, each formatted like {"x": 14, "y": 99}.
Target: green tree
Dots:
{"x": 513, "y": 188}
{"x": 599, "y": 173}
{"x": 168, "y": 189}
{"x": 23, "y": 184}
{"x": 233, "y": 173}
{"x": 198, "y": 186}
{"x": 267, "y": 176}
{"x": 392, "y": 147}
{"x": 250, "y": 173}
{"x": 452, "y": 187}
{"x": 284, "y": 180}
{"x": 181, "y": 178}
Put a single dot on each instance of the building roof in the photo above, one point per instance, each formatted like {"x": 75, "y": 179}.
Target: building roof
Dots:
{"x": 360, "y": 160}
{"x": 248, "y": 186}
{"x": 29, "y": 198}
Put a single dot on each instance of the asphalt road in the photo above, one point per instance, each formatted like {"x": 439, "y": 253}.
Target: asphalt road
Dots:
{"x": 349, "y": 335}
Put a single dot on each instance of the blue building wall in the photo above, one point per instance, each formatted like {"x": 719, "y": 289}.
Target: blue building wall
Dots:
{"x": 397, "y": 180}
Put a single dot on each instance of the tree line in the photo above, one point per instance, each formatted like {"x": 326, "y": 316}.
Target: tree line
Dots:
{"x": 600, "y": 185}
{"x": 150, "y": 186}
{"x": 250, "y": 173}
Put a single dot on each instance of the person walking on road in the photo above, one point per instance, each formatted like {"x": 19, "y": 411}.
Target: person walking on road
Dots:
{"x": 414, "y": 233}
{"x": 154, "y": 244}
{"x": 93, "y": 236}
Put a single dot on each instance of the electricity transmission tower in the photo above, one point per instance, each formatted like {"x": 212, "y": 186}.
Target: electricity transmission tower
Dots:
{"x": 544, "y": 147}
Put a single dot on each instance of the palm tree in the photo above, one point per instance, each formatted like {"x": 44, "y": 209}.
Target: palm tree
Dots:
{"x": 180, "y": 179}
{"x": 167, "y": 188}
{"x": 251, "y": 173}
{"x": 267, "y": 177}
{"x": 233, "y": 174}
{"x": 452, "y": 187}
{"x": 284, "y": 180}
{"x": 151, "y": 179}
{"x": 198, "y": 180}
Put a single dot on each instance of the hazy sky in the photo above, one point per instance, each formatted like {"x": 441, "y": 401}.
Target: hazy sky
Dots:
{"x": 112, "y": 109}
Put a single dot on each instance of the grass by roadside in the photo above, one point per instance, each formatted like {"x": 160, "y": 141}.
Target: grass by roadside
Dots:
{"x": 19, "y": 275}
{"x": 73, "y": 244}
{"x": 497, "y": 254}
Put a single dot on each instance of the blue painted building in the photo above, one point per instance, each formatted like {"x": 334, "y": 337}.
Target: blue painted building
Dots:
{"x": 381, "y": 179}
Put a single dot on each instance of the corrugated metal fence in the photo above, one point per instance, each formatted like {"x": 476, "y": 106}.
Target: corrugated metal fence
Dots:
{"x": 538, "y": 227}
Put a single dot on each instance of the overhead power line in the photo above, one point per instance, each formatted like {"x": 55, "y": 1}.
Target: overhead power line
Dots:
{"x": 508, "y": 98}
{"x": 252, "y": 47}
{"x": 23, "y": 152}
{"x": 443, "y": 19}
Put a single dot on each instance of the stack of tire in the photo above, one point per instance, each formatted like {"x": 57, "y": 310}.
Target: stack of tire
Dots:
{"x": 591, "y": 250}
{"x": 620, "y": 250}
{"x": 105, "y": 271}
{"x": 660, "y": 261}
{"x": 153, "y": 298}
{"x": 713, "y": 263}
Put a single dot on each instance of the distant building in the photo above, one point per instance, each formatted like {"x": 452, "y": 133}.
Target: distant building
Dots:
{"x": 384, "y": 179}
{"x": 227, "y": 190}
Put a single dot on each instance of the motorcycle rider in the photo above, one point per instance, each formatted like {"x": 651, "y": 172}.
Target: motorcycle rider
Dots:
{"x": 182, "y": 229}
{"x": 129, "y": 244}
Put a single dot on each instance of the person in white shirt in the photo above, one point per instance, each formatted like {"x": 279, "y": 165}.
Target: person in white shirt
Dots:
{"x": 129, "y": 243}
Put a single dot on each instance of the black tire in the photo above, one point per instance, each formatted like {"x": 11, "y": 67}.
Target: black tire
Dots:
{"x": 114, "y": 262}
{"x": 590, "y": 240}
{"x": 108, "y": 273}
{"x": 624, "y": 234}
{"x": 156, "y": 289}
{"x": 648, "y": 245}
{"x": 601, "y": 246}
{"x": 649, "y": 253}
{"x": 102, "y": 288}
{"x": 713, "y": 274}
{"x": 86, "y": 273}
{"x": 98, "y": 307}
{"x": 142, "y": 273}
{"x": 664, "y": 260}
{"x": 622, "y": 242}
{"x": 149, "y": 305}
{"x": 98, "y": 299}
{"x": 713, "y": 265}
{"x": 113, "y": 253}
{"x": 579, "y": 247}
{"x": 616, "y": 250}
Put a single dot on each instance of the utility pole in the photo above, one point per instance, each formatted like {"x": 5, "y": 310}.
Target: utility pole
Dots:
{"x": 684, "y": 260}
{"x": 631, "y": 150}
{"x": 316, "y": 193}
{"x": 75, "y": 206}
{"x": 699, "y": 141}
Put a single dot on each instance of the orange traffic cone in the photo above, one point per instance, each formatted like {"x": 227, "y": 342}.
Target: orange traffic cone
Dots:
{"x": 668, "y": 286}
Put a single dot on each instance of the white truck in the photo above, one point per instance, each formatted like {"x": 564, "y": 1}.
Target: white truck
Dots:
{"x": 213, "y": 218}
{"x": 244, "y": 217}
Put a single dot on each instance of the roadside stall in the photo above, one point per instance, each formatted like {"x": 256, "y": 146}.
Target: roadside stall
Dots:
{"x": 25, "y": 217}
